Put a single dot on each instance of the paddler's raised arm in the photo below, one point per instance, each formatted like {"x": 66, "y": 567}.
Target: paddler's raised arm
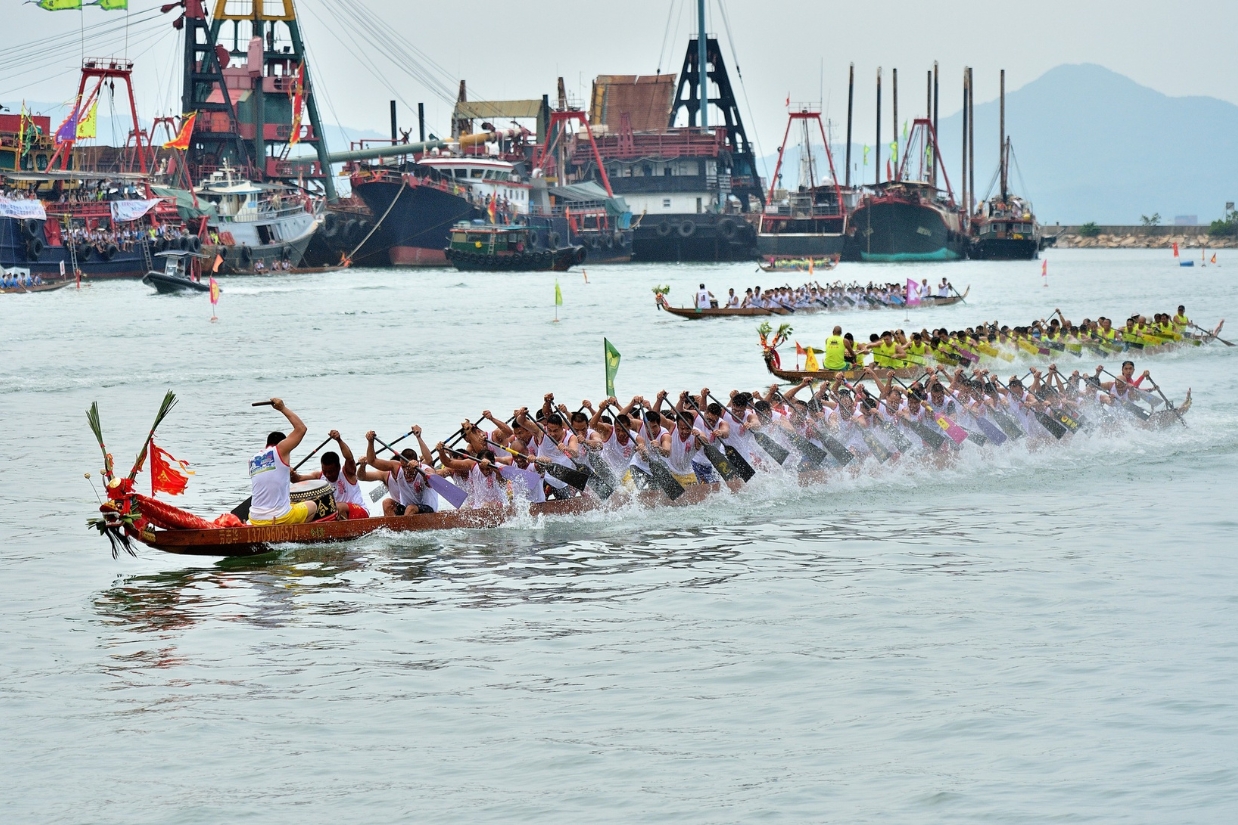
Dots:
{"x": 350, "y": 463}
{"x": 426, "y": 455}
{"x": 374, "y": 461}
{"x": 293, "y": 439}
{"x": 501, "y": 429}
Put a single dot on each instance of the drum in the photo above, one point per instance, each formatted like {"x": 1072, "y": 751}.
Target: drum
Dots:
{"x": 321, "y": 493}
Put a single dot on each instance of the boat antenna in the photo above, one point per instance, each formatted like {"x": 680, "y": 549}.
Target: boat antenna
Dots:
{"x": 877, "y": 148}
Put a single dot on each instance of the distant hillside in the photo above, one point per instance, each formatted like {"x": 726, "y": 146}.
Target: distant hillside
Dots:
{"x": 1093, "y": 145}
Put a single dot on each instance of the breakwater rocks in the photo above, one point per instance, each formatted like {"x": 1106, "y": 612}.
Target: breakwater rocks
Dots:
{"x": 1139, "y": 237}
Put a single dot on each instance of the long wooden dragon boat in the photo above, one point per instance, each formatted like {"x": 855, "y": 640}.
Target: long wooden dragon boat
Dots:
{"x": 741, "y": 312}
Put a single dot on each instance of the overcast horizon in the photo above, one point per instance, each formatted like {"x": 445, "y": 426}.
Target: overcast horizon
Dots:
{"x": 513, "y": 51}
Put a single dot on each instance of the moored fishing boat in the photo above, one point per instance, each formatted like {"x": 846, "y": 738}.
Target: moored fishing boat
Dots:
{"x": 506, "y": 248}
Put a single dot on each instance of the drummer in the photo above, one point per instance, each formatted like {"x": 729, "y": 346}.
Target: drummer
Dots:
{"x": 349, "y": 501}
{"x": 270, "y": 477}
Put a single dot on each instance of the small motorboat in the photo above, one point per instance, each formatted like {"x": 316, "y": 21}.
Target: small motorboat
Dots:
{"x": 176, "y": 275}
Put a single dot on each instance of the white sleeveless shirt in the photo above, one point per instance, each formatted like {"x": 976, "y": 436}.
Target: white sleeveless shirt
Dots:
{"x": 270, "y": 481}
{"x": 346, "y": 493}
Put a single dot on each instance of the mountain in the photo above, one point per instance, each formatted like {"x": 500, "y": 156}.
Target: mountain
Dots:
{"x": 1093, "y": 145}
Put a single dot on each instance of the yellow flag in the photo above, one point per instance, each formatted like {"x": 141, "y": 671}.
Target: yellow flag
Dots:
{"x": 87, "y": 127}
{"x": 810, "y": 361}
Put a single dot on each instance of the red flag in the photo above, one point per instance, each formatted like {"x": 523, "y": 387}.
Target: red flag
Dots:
{"x": 181, "y": 141}
{"x": 1214, "y": 257}
{"x": 167, "y": 474}
{"x": 889, "y": 171}
{"x": 1044, "y": 268}
{"x": 297, "y": 93}
{"x": 1175, "y": 249}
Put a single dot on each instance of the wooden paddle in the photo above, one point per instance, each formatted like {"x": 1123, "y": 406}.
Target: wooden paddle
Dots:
{"x": 599, "y": 484}
{"x": 662, "y": 475}
{"x": 733, "y": 455}
{"x": 454, "y": 495}
{"x": 241, "y": 511}
{"x": 1208, "y": 334}
{"x": 576, "y": 479}
{"x": 1168, "y": 404}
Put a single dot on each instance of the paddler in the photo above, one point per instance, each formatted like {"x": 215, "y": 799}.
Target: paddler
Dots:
{"x": 349, "y": 501}
{"x": 408, "y": 494}
{"x": 704, "y": 298}
{"x": 836, "y": 350}
{"x": 270, "y": 477}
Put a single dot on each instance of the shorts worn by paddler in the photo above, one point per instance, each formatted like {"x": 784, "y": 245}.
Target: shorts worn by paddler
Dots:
{"x": 270, "y": 477}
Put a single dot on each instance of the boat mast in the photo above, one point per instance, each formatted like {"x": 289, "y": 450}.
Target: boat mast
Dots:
{"x": 936, "y": 102}
{"x": 877, "y": 148}
{"x": 971, "y": 134}
{"x": 850, "y": 104}
{"x": 894, "y": 100}
{"x": 1002, "y": 154}
{"x": 701, "y": 63}
{"x": 963, "y": 187}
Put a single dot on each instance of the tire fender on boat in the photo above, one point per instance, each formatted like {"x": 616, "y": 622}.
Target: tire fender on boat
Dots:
{"x": 664, "y": 228}
{"x": 31, "y": 227}
{"x": 726, "y": 228}
{"x": 553, "y": 239}
{"x": 110, "y": 252}
{"x": 34, "y": 248}
{"x": 687, "y": 228}
{"x": 245, "y": 257}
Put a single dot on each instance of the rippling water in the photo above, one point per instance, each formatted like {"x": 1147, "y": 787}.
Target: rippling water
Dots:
{"x": 1046, "y": 636}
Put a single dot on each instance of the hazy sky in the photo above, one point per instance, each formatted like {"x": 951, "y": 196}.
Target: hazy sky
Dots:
{"x": 517, "y": 48}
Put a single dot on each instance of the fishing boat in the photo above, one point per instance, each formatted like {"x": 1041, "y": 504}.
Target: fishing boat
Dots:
{"x": 256, "y": 227}
{"x": 506, "y": 248}
{"x": 1005, "y": 228}
{"x": 179, "y": 275}
{"x": 908, "y": 219}
{"x": 810, "y": 219}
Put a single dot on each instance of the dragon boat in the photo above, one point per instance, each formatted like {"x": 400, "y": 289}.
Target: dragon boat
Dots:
{"x": 127, "y": 516}
{"x": 693, "y": 313}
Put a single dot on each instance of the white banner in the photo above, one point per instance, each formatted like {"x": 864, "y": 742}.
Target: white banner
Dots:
{"x": 123, "y": 211}
{"x": 22, "y": 209}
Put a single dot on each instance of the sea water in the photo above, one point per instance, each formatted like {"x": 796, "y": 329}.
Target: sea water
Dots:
{"x": 1028, "y": 636}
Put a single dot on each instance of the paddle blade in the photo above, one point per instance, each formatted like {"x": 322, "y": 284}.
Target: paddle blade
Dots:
{"x": 665, "y": 481}
{"x": 741, "y": 466}
{"x": 241, "y": 511}
{"x": 720, "y": 462}
{"x": 957, "y": 434}
{"x": 378, "y": 492}
{"x": 453, "y": 494}
{"x": 776, "y": 451}
{"x": 878, "y": 449}
{"x": 991, "y": 431}
{"x": 569, "y": 476}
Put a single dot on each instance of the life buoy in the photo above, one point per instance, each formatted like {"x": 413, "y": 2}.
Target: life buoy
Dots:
{"x": 726, "y": 228}
{"x": 110, "y": 252}
{"x": 245, "y": 257}
{"x": 687, "y": 228}
{"x": 664, "y": 228}
{"x": 34, "y": 248}
{"x": 31, "y": 227}
{"x": 553, "y": 239}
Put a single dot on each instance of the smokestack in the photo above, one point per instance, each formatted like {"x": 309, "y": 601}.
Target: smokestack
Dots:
{"x": 850, "y": 105}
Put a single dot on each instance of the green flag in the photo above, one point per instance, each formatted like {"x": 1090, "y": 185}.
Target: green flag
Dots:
{"x": 558, "y": 294}
{"x": 612, "y": 366}
{"x": 866, "y": 154}
{"x": 59, "y": 5}
{"x": 113, "y": 5}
